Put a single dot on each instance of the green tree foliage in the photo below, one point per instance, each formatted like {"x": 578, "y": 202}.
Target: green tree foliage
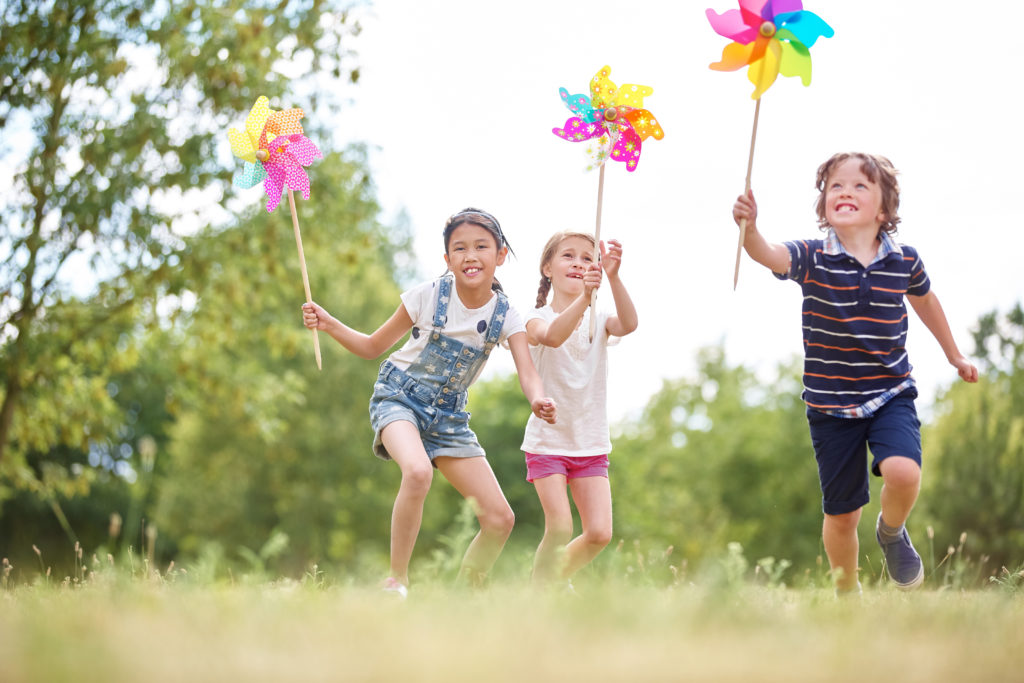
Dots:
{"x": 110, "y": 113}
{"x": 722, "y": 457}
{"x": 975, "y": 448}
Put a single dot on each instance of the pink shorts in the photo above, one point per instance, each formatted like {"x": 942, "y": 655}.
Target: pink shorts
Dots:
{"x": 540, "y": 466}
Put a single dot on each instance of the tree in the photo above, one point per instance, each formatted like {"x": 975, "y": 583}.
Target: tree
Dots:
{"x": 117, "y": 106}
{"x": 974, "y": 479}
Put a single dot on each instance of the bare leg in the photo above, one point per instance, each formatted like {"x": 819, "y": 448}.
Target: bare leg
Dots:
{"x": 593, "y": 498}
{"x": 403, "y": 443}
{"x": 557, "y": 527}
{"x": 902, "y": 483}
{"x": 839, "y": 532}
{"x": 474, "y": 479}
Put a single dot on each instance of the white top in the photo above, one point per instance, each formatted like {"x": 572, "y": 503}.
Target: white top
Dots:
{"x": 576, "y": 376}
{"x": 468, "y": 325}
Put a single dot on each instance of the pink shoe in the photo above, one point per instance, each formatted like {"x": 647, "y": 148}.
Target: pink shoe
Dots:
{"x": 395, "y": 587}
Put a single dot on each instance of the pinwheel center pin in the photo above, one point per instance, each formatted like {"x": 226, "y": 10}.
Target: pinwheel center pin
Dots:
{"x": 767, "y": 29}
{"x": 611, "y": 113}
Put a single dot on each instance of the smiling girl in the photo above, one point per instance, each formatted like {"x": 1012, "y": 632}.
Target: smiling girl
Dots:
{"x": 418, "y": 405}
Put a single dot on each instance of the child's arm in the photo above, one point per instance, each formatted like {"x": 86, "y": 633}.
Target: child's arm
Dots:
{"x": 929, "y": 310}
{"x": 769, "y": 254}
{"x": 625, "y": 319}
{"x": 533, "y": 388}
{"x": 554, "y": 333}
{"x": 363, "y": 345}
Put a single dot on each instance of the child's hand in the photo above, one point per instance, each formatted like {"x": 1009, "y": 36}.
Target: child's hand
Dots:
{"x": 745, "y": 208}
{"x": 592, "y": 278}
{"x": 611, "y": 258}
{"x": 314, "y": 316}
{"x": 544, "y": 408}
{"x": 966, "y": 369}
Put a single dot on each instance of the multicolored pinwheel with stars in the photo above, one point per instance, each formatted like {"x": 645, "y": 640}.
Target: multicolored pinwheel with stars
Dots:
{"x": 770, "y": 37}
{"x": 275, "y": 151}
{"x": 615, "y": 123}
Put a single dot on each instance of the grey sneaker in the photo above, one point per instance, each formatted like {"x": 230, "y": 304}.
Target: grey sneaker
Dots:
{"x": 901, "y": 560}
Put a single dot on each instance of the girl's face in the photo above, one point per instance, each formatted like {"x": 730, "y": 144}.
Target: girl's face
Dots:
{"x": 852, "y": 200}
{"x": 566, "y": 266}
{"x": 473, "y": 256}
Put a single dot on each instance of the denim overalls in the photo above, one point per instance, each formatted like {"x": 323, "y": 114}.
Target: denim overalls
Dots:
{"x": 431, "y": 393}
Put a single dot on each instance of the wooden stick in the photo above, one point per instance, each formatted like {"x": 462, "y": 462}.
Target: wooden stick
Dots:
{"x": 597, "y": 252}
{"x": 743, "y": 221}
{"x": 305, "y": 276}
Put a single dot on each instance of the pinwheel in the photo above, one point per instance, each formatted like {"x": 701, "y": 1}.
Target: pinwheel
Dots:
{"x": 770, "y": 37}
{"x": 275, "y": 151}
{"x": 616, "y": 124}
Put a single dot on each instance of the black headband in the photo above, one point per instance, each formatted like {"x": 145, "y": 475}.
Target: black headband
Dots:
{"x": 502, "y": 240}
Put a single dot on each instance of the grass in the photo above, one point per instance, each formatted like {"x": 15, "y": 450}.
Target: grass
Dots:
{"x": 739, "y": 622}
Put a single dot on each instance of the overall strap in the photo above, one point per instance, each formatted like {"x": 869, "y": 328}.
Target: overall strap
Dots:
{"x": 497, "y": 322}
{"x": 444, "y": 295}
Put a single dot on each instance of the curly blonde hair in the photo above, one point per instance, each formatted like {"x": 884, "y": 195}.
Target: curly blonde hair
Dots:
{"x": 879, "y": 170}
{"x": 549, "y": 253}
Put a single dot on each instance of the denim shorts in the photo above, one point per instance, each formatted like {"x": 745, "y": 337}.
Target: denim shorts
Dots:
{"x": 840, "y": 447}
{"x": 443, "y": 432}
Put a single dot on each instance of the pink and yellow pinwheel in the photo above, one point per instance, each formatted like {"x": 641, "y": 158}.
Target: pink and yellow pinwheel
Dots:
{"x": 613, "y": 118}
{"x": 274, "y": 150}
{"x": 772, "y": 37}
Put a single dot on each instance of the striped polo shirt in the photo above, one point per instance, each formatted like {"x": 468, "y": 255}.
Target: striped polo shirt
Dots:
{"x": 854, "y": 322}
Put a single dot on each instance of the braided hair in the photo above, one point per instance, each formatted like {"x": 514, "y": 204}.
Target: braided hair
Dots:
{"x": 548, "y": 254}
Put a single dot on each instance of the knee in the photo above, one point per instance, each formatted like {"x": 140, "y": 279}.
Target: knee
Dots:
{"x": 844, "y": 523}
{"x": 598, "y": 537}
{"x": 498, "y": 521}
{"x": 417, "y": 479}
{"x": 900, "y": 472}
{"x": 558, "y": 531}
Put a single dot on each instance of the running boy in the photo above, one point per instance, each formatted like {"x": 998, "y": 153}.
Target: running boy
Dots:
{"x": 857, "y": 383}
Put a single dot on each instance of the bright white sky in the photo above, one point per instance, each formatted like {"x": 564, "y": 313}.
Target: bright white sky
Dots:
{"x": 458, "y": 98}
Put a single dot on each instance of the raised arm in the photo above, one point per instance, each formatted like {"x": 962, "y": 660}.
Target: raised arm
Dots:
{"x": 363, "y": 345}
{"x": 625, "y": 319}
{"x": 769, "y": 254}
{"x": 929, "y": 310}
{"x": 555, "y": 333}
{"x": 529, "y": 380}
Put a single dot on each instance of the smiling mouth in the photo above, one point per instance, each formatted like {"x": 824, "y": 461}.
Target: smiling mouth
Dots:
{"x": 471, "y": 271}
{"x": 844, "y": 208}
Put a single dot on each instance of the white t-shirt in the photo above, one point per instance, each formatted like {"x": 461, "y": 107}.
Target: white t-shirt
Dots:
{"x": 468, "y": 325}
{"x": 576, "y": 375}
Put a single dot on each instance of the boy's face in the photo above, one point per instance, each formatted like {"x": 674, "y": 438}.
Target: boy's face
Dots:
{"x": 852, "y": 200}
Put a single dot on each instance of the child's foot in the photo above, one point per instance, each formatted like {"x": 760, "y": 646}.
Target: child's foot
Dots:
{"x": 854, "y": 592}
{"x": 901, "y": 560}
{"x": 395, "y": 587}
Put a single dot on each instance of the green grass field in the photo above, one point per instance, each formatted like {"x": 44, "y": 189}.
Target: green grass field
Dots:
{"x": 123, "y": 628}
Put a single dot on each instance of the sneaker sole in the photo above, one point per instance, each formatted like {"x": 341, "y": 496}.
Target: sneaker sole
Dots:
{"x": 913, "y": 583}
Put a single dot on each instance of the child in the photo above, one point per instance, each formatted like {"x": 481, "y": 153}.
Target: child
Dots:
{"x": 574, "y": 370}
{"x": 857, "y": 383}
{"x": 418, "y": 405}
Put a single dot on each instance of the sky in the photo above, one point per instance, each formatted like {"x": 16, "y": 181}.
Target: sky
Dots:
{"x": 457, "y": 100}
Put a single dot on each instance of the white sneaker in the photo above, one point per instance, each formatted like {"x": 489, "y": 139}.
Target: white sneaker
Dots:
{"x": 396, "y": 588}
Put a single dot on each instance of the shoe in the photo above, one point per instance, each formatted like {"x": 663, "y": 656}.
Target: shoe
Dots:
{"x": 901, "y": 560}
{"x": 396, "y": 588}
{"x": 849, "y": 593}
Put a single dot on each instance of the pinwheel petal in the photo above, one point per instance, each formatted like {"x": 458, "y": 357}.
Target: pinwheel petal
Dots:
{"x": 257, "y": 119}
{"x": 304, "y": 151}
{"x": 731, "y": 25}
{"x": 627, "y": 148}
{"x": 735, "y": 56}
{"x": 644, "y": 124}
{"x": 599, "y": 149}
{"x": 242, "y": 145}
{"x": 273, "y": 185}
{"x": 632, "y": 95}
{"x": 795, "y": 60}
{"x": 578, "y": 130}
{"x": 250, "y": 175}
{"x": 806, "y": 26}
{"x": 602, "y": 90}
{"x": 780, "y": 7}
{"x": 578, "y": 104}
{"x": 756, "y": 11}
{"x": 764, "y": 71}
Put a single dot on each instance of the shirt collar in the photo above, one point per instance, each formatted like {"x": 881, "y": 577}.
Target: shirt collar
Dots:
{"x": 887, "y": 245}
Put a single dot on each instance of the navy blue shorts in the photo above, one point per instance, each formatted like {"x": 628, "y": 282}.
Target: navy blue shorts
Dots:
{"x": 840, "y": 447}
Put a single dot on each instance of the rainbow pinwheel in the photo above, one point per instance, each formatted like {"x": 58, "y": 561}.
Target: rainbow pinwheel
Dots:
{"x": 614, "y": 116}
{"x": 274, "y": 151}
{"x": 770, "y": 37}
{"x": 775, "y": 35}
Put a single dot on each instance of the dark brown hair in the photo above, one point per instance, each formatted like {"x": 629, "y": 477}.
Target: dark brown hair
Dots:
{"x": 879, "y": 170}
{"x": 548, "y": 254}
